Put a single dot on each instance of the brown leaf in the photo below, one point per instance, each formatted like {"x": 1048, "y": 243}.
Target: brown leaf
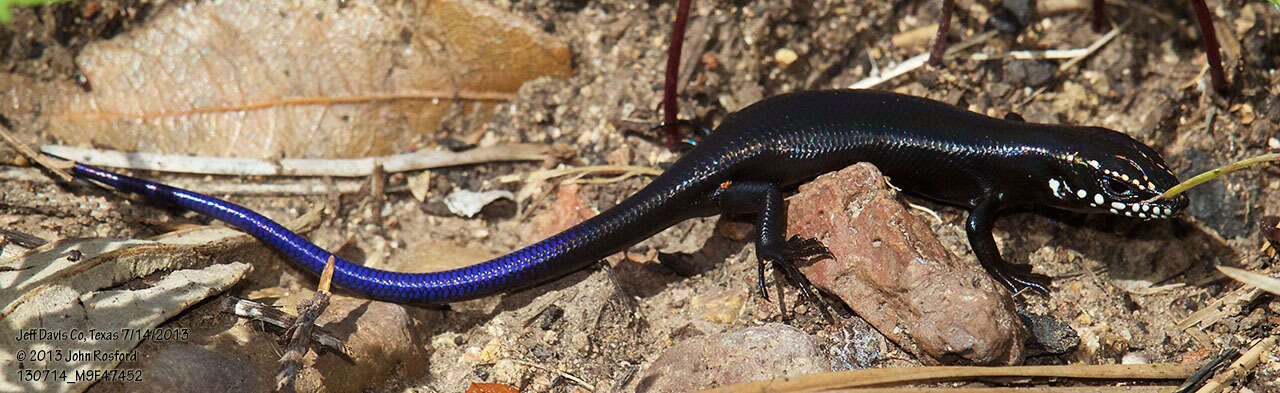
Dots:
{"x": 263, "y": 78}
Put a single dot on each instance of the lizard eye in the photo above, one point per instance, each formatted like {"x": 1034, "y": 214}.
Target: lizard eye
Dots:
{"x": 1119, "y": 188}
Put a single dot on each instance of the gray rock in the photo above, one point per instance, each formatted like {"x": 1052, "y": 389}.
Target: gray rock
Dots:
{"x": 752, "y": 354}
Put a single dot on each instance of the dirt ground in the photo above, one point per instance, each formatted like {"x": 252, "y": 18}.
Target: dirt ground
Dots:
{"x": 1147, "y": 82}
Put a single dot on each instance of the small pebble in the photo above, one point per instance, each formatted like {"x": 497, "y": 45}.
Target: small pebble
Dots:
{"x": 785, "y": 57}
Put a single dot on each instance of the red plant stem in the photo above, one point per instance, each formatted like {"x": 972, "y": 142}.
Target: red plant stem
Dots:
{"x": 1210, "y": 38}
{"x": 1099, "y": 14}
{"x": 944, "y": 28}
{"x": 671, "y": 108}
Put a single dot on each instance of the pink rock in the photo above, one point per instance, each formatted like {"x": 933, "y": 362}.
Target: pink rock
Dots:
{"x": 891, "y": 270}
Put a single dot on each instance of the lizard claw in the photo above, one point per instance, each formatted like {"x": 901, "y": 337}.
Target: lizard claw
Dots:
{"x": 797, "y": 249}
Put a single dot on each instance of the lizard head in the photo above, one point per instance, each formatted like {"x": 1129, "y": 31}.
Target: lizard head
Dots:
{"x": 1104, "y": 171}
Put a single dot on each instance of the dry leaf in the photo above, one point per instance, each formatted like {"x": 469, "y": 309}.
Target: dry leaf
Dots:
{"x": 52, "y": 304}
{"x": 264, "y": 78}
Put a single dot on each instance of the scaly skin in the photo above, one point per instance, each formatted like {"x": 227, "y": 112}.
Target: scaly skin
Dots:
{"x": 925, "y": 147}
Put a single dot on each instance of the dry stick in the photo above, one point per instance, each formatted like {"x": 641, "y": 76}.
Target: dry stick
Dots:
{"x": 670, "y": 107}
{"x": 308, "y": 312}
{"x": 1246, "y": 362}
{"x": 357, "y": 167}
{"x": 1260, "y": 281}
{"x": 916, "y": 62}
{"x": 533, "y": 180}
{"x": 1210, "y": 38}
{"x": 883, "y": 376}
{"x": 300, "y": 187}
{"x": 1034, "y": 54}
{"x": 303, "y": 188}
{"x": 1072, "y": 63}
{"x": 1215, "y": 173}
{"x": 294, "y": 101}
{"x": 249, "y": 309}
{"x": 1099, "y": 14}
{"x": 56, "y": 166}
{"x": 944, "y": 29}
{"x": 21, "y": 239}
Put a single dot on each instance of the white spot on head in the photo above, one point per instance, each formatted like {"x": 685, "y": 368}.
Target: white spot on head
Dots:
{"x": 1146, "y": 208}
{"x": 1098, "y": 199}
{"x": 1081, "y": 193}
{"x": 1143, "y": 215}
{"x": 1094, "y": 164}
{"x": 1135, "y": 207}
{"x": 1117, "y": 205}
{"x": 1114, "y": 211}
{"x": 1124, "y": 177}
{"x": 1053, "y": 185}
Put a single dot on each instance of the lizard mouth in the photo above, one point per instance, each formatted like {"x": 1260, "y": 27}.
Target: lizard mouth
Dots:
{"x": 1154, "y": 208}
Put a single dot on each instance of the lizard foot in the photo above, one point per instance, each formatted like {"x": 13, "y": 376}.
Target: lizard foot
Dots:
{"x": 795, "y": 250}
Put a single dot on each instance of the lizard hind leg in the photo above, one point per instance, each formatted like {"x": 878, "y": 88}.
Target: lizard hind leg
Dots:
{"x": 765, "y": 200}
{"x": 798, "y": 249}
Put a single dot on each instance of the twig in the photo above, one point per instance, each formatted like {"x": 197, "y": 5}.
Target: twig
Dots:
{"x": 533, "y": 180}
{"x": 1208, "y": 369}
{"x": 944, "y": 29}
{"x": 1224, "y": 305}
{"x": 1242, "y": 365}
{"x": 301, "y": 188}
{"x": 670, "y": 107}
{"x": 916, "y": 62}
{"x": 1083, "y": 55}
{"x": 1033, "y": 54}
{"x": 1093, "y": 47}
{"x": 245, "y": 308}
{"x": 22, "y": 239}
{"x": 294, "y": 187}
{"x": 884, "y": 376}
{"x": 926, "y": 210}
{"x": 358, "y": 167}
{"x": 300, "y": 332}
{"x": 1252, "y": 279}
{"x": 1210, "y": 39}
{"x": 293, "y": 101}
{"x": 1215, "y": 173}
{"x": 57, "y": 167}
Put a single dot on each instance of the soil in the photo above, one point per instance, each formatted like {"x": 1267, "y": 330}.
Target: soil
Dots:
{"x": 1147, "y": 82}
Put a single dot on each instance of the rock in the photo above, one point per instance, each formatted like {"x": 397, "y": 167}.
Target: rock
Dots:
{"x": 1029, "y": 72}
{"x": 752, "y": 354}
{"x": 853, "y": 344}
{"x": 890, "y": 268}
{"x": 383, "y": 338}
{"x": 184, "y": 367}
{"x": 1053, "y": 336}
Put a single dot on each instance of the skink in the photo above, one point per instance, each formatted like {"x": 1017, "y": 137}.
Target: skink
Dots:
{"x": 925, "y": 147}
